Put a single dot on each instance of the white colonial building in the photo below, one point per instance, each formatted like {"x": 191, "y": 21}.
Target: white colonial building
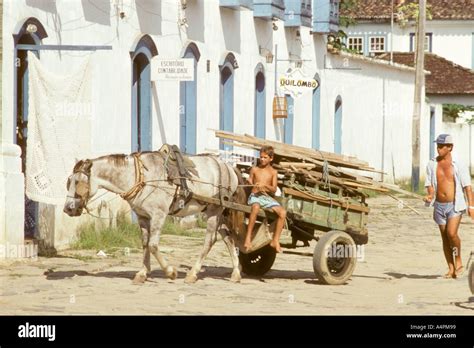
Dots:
{"x": 449, "y": 32}
{"x": 362, "y": 107}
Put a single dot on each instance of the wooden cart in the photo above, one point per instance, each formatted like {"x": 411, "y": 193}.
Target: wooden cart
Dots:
{"x": 325, "y": 213}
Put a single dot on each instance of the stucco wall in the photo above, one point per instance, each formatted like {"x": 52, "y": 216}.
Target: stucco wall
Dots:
{"x": 370, "y": 92}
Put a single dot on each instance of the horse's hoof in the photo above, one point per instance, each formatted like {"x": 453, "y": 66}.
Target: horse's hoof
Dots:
{"x": 171, "y": 272}
{"x": 190, "y": 279}
{"x": 236, "y": 277}
{"x": 139, "y": 279}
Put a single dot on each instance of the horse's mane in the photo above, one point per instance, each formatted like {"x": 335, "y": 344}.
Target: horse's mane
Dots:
{"x": 115, "y": 159}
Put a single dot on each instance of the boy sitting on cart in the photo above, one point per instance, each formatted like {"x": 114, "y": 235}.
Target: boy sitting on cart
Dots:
{"x": 264, "y": 180}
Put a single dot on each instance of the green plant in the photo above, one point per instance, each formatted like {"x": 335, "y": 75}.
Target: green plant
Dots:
{"x": 126, "y": 234}
{"x": 410, "y": 12}
{"x": 347, "y": 20}
{"x": 453, "y": 111}
{"x": 406, "y": 185}
{"x": 201, "y": 223}
{"x": 337, "y": 41}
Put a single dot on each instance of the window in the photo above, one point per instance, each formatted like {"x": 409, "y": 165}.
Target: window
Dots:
{"x": 226, "y": 121}
{"x": 377, "y": 44}
{"x": 259, "y": 113}
{"x": 334, "y": 9}
{"x": 428, "y": 42}
{"x": 141, "y": 94}
{"x": 355, "y": 43}
{"x": 188, "y": 106}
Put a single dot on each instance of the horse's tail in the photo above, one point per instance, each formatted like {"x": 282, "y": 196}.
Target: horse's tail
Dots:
{"x": 236, "y": 218}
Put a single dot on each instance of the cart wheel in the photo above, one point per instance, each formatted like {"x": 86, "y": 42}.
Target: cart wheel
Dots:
{"x": 338, "y": 269}
{"x": 471, "y": 277}
{"x": 258, "y": 262}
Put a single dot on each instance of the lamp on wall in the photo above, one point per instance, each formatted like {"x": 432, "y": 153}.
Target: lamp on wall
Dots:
{"x": 269, "y": 57}
{"x": 266, "y": 53}
{"x": 31, "y": 28}
{"x": 274, "y": 26}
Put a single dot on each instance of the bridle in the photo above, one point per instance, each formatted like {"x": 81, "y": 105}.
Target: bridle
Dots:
{"x": 82, "y": 188}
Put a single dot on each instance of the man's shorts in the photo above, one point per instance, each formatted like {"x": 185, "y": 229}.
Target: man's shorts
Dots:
{"x": 444, "y": 211}
{"x": 265, "y": 201}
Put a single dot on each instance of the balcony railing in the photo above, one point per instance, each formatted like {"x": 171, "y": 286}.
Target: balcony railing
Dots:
{"x": 236, "y": 4}
{"x": 325, "y": 16}
{"x": 298, "y": 13}
{"x": 269, "y": 9}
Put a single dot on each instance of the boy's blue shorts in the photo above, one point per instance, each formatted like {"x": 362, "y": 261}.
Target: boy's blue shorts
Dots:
{"x": 265, "y": 201}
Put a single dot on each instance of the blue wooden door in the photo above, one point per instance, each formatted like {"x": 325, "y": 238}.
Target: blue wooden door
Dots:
{"x": 338, "y": 126}
{"x": 141, "y": 105}
{"x": 31, "y": 207}
{"x": 316, "y": 117}
{"x": 227, "y": 107}
{"x": 288, "y": 133}
{"x": 432, "y": 133}
{"x": 187, "y": 112}
{"x": 259, "y": 121}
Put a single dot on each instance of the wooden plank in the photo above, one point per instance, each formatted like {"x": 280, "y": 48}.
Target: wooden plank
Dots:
{"x": 330, "y": 157}
{"x": 397, "y": 189}
{"x": 264, "y": 213}
{"x": 335, "y": 202}
{"x": 297, "y": 165}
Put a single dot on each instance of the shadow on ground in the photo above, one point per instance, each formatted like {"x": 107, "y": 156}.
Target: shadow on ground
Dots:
{"x": 412, "y": 276}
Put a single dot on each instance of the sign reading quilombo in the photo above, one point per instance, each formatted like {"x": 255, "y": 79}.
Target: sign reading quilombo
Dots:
{"x": 296, "y": 84}
{"x": 172, "y": 69}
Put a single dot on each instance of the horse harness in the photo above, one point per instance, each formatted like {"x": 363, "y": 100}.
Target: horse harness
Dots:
{"x": 178, "y": 168}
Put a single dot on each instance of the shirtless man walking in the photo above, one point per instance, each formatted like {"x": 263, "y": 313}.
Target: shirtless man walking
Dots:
{"x": 264, "y": 181}
{"x": 447, "y": 181}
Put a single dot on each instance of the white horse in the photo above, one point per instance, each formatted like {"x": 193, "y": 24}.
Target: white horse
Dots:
{"x": 141, "y": 179}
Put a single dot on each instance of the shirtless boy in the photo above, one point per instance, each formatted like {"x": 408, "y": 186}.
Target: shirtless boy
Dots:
{"x": 264, "y": 181}
{"x": 447, "y": 181}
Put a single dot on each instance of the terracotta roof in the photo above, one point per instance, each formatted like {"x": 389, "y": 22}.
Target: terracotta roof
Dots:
{"x": 446, "y": 76}
{"x": 381, "y": 9}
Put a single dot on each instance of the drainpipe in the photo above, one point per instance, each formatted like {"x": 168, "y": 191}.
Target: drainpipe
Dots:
{"x": 471, "y": 165}
{"x": 391, "y": 36}
{"x": 383, "y": 129}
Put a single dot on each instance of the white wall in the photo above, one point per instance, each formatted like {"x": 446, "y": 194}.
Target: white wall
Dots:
{"x": 451, "y": 39}
{"x": 365, "y": 87}
{"x": 461, "y": 131}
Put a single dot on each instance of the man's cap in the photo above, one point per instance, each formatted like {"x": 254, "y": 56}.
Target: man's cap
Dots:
{"x": 444, "y": 139}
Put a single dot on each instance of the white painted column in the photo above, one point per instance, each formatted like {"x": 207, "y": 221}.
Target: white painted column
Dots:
{"x": 11, "y": 202}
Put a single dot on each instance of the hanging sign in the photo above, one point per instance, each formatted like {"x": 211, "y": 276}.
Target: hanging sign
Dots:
{"x": 296, "y": 84}
{"x": 172, "y": 69}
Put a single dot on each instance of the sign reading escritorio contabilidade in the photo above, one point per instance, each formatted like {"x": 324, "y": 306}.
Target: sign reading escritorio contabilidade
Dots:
{"x": 172, "y": 69}
{"x": 296, "y": 84}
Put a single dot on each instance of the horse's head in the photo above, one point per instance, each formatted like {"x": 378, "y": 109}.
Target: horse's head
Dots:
{"x": 79, "y": 188}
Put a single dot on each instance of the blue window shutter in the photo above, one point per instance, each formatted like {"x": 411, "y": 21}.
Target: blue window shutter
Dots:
{"x": 316, "y": 125}
{"x": 432, "y": 132}
{"x": 338, "y": 126}
{"x": 188, "y": 110}
{"x": 259, "y": 123}
{"x": 227, "y": 107}
{"x": 288, "y": 136}
{"x": 182, "y": 116}
{"x": 145, "y": 108}
{"x": 135, "y": 108}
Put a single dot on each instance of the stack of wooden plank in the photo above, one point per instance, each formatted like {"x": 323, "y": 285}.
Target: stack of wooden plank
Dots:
{"x": 314, "y": 166}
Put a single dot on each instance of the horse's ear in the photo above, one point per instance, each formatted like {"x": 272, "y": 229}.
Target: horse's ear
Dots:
{"x": 87, "y": 165}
